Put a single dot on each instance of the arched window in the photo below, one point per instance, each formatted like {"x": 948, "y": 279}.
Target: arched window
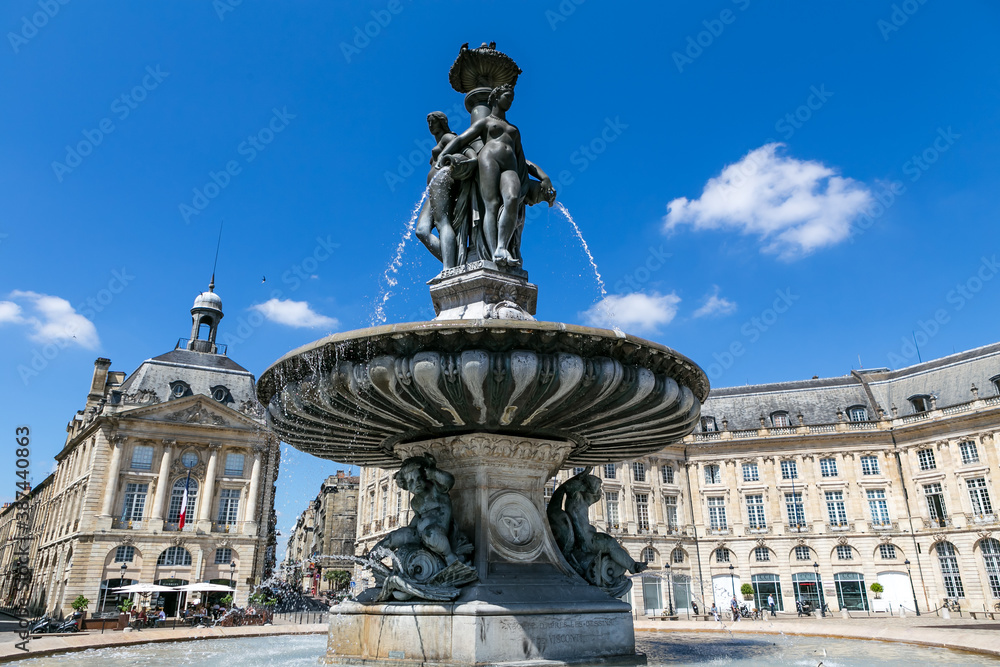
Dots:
{"x": 991, "y": 559}
{"x": 857, "y": 413}
{"x": 179, "y": 389}
{"x": 177, "y": 496}
{"x": 174, "y": 556}
{"x": 677, "y": 555}
{"x": 722, "y": 555}
{"x": 708, "y": 425}
{"x": 648, "y": 556}
{"x": 779, "y": 419}
{"x": 948, "y": 560}
{"x": 920, "y": 403}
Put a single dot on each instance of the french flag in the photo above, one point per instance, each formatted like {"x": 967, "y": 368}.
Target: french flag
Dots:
{"x": 184, "y": 503}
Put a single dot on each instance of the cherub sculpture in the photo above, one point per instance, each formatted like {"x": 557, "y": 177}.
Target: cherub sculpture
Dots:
{"x": 597, "y": 557}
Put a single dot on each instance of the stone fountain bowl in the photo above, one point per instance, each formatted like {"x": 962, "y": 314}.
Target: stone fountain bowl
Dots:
{"x": 352, "y": 397}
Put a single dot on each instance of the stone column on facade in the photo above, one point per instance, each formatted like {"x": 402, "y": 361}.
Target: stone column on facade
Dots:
{"x": 250, "y": 522}
{"x": 162, "y": 484}
{"x": 111, "y": 486}
{"x": 208, "y": 496}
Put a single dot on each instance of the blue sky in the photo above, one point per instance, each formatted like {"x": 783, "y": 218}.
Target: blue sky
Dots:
{"x": 777, "y": 190}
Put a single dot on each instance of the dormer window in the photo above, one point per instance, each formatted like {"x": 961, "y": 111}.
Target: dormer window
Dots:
{"x": 779, "y": 419}
{"x": 920, "y": 403}
{"x": 221, "y": 394}
{"x": 996, "y": 384}
{"x": 708, "y": 425}
{"x": 179, "y": 389}
{"x": 857, "y": 413}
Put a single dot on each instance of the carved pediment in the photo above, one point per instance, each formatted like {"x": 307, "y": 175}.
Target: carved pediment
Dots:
{"x": 197, "y": 414}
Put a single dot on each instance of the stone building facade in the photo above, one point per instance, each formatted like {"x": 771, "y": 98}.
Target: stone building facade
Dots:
{"x": 12, "y": 544}
{"x": 326, "y": 528}
{"x": 808, "y": 490}
{"x": 185, "y": 420}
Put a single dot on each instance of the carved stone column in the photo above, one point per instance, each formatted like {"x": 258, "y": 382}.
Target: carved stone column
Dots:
{"x": 208, "y": 496}
{"x": 117, "y": 442}
{"x": 162, "y": 482}
{"x": 250, "y": 520}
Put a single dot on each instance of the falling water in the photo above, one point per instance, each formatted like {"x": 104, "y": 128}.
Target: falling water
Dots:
{"x": 391, "y": 275}
{"x": 597, "y": 274}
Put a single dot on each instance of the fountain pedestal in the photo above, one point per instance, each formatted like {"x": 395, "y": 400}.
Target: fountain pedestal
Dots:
{"x": 480, "y": 291}
{"x": 528, "y": 607}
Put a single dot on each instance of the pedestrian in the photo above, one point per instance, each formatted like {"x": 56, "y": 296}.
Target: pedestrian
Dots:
{"x": 770, "y": 603}
{"x": 736, "y": 608}
{"x": 714, "y": 611}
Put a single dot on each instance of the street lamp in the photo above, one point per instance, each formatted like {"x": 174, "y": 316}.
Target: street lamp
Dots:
{"x": 916, "y": 608}
{"x": 732, "y": 581}
{"x": 670, "y": 588}
{"x": 819, "y": 586}
{"x": 232, "y": 578}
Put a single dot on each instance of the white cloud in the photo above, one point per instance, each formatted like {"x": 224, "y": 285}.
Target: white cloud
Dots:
{"x": 52, "y": 319}
{"x": 794, "y": 206}
{"x": 294, "y": 314}
{"x": 634, "y": 313}
{"x": 715, "y": 305}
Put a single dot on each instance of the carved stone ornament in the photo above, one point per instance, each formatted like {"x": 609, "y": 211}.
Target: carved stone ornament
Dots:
{"x": 801, "y": 541}
{"x": 196, "y": 414}
{"x": 475, "y": 446}
{"x": 225, "y": 543}
{"x": 985, "y": 534}
{"x": 761, "y": 542}
{"x": 885, "y": 539}
{"x": 516, "y": 527}
{"x": 939, "y": 537}
{"x": 178, "y": 541}
{"x": 842, "y": 541}
{"x": 128, "y": 541}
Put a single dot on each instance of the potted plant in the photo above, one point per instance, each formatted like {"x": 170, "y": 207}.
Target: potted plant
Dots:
{"x": 877, "y": 589}
{"x": 747, "y": 591}
{"x": 124, "y": 608}
{"x": 80, "y": 605}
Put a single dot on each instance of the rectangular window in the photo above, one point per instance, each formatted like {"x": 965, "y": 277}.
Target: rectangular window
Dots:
{"x": 796, "y": 513}
{"x": 887, "y": 551}
{"x": 980, "y": 497}
{"x": 755, "y": 511}
{"x": 124, "y": 554}
{"x": 708, "y": 425}
{"x": 949, "y": 570}
{"x": 828, "y": 467}
{"x": 713, "y": 474}
{"x": 926, "y": 459}
{"x": 642, "y": 511}
{"x": 857, "y": 414}
{"x": 970, "y": 454}
{"x": 234, "y": 465}
{"x": 229, "y": 505}
{"x": 991, "y": 559}
{"x": 789, "y": 470}
{"x": 142, "y": 457}
{"x": 802, "y": 553}
{"x": 779, "y": 419}
{"x": 223, "y": 556}
{"x": 577, "y": 471}
{"x": 722, "y": 555}
{"x": 385, "y": 502}
{"x": 670, "y": 505}
{"x": 844, "y": 552}
{"x": 611, "y": 507}
{"x": 371, "y": 507}
{"x": 639, "y": 471}
{"x": 835, "y": 508}
{"x": 399, "y": 503}
{"x": 135, "y": 501}
{"x": 762, "y": 554}
{"x": 878, "y": 507}
{"x": 717, "y": 513}
{"x": 935, "y": 504}
{"x": 750, "y": 473}
{"x": 869, "y": 465}
{"x": 667, "y": 471}
{"x": 609, "y": 471}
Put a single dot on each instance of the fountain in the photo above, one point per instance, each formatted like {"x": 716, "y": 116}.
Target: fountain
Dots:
{"x": 477, "y": 409}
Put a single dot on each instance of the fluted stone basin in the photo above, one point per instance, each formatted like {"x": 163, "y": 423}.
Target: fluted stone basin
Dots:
{"x": 353, "y": 397}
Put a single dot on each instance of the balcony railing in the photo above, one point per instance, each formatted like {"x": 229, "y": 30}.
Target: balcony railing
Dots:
{"x": 983, "y": 518}
{"x": 128, "y": 524}
{"x": 171, "y": 527}
{"x": 938, "y": 522}
{"x": 799, "y": 528}
{"x": 883, "y": 525}
{"x": 839, "y": 526}
{"x": 757, "y": 530}
{"x": 222, "y": 527}
{"x": 728, "y": 530}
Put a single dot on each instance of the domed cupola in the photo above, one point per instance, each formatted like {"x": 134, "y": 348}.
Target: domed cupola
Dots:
{"x": 206, "y": 312}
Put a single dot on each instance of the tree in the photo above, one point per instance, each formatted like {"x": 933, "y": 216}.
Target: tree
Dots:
{"x": 337, "y": 578}
{"x": 746, "y": 590}
{"x": 877, "y": 589}
{"x": 80, "y": 603}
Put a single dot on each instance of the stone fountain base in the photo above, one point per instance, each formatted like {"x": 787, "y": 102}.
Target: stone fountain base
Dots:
{"x": 528, "y": 607}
